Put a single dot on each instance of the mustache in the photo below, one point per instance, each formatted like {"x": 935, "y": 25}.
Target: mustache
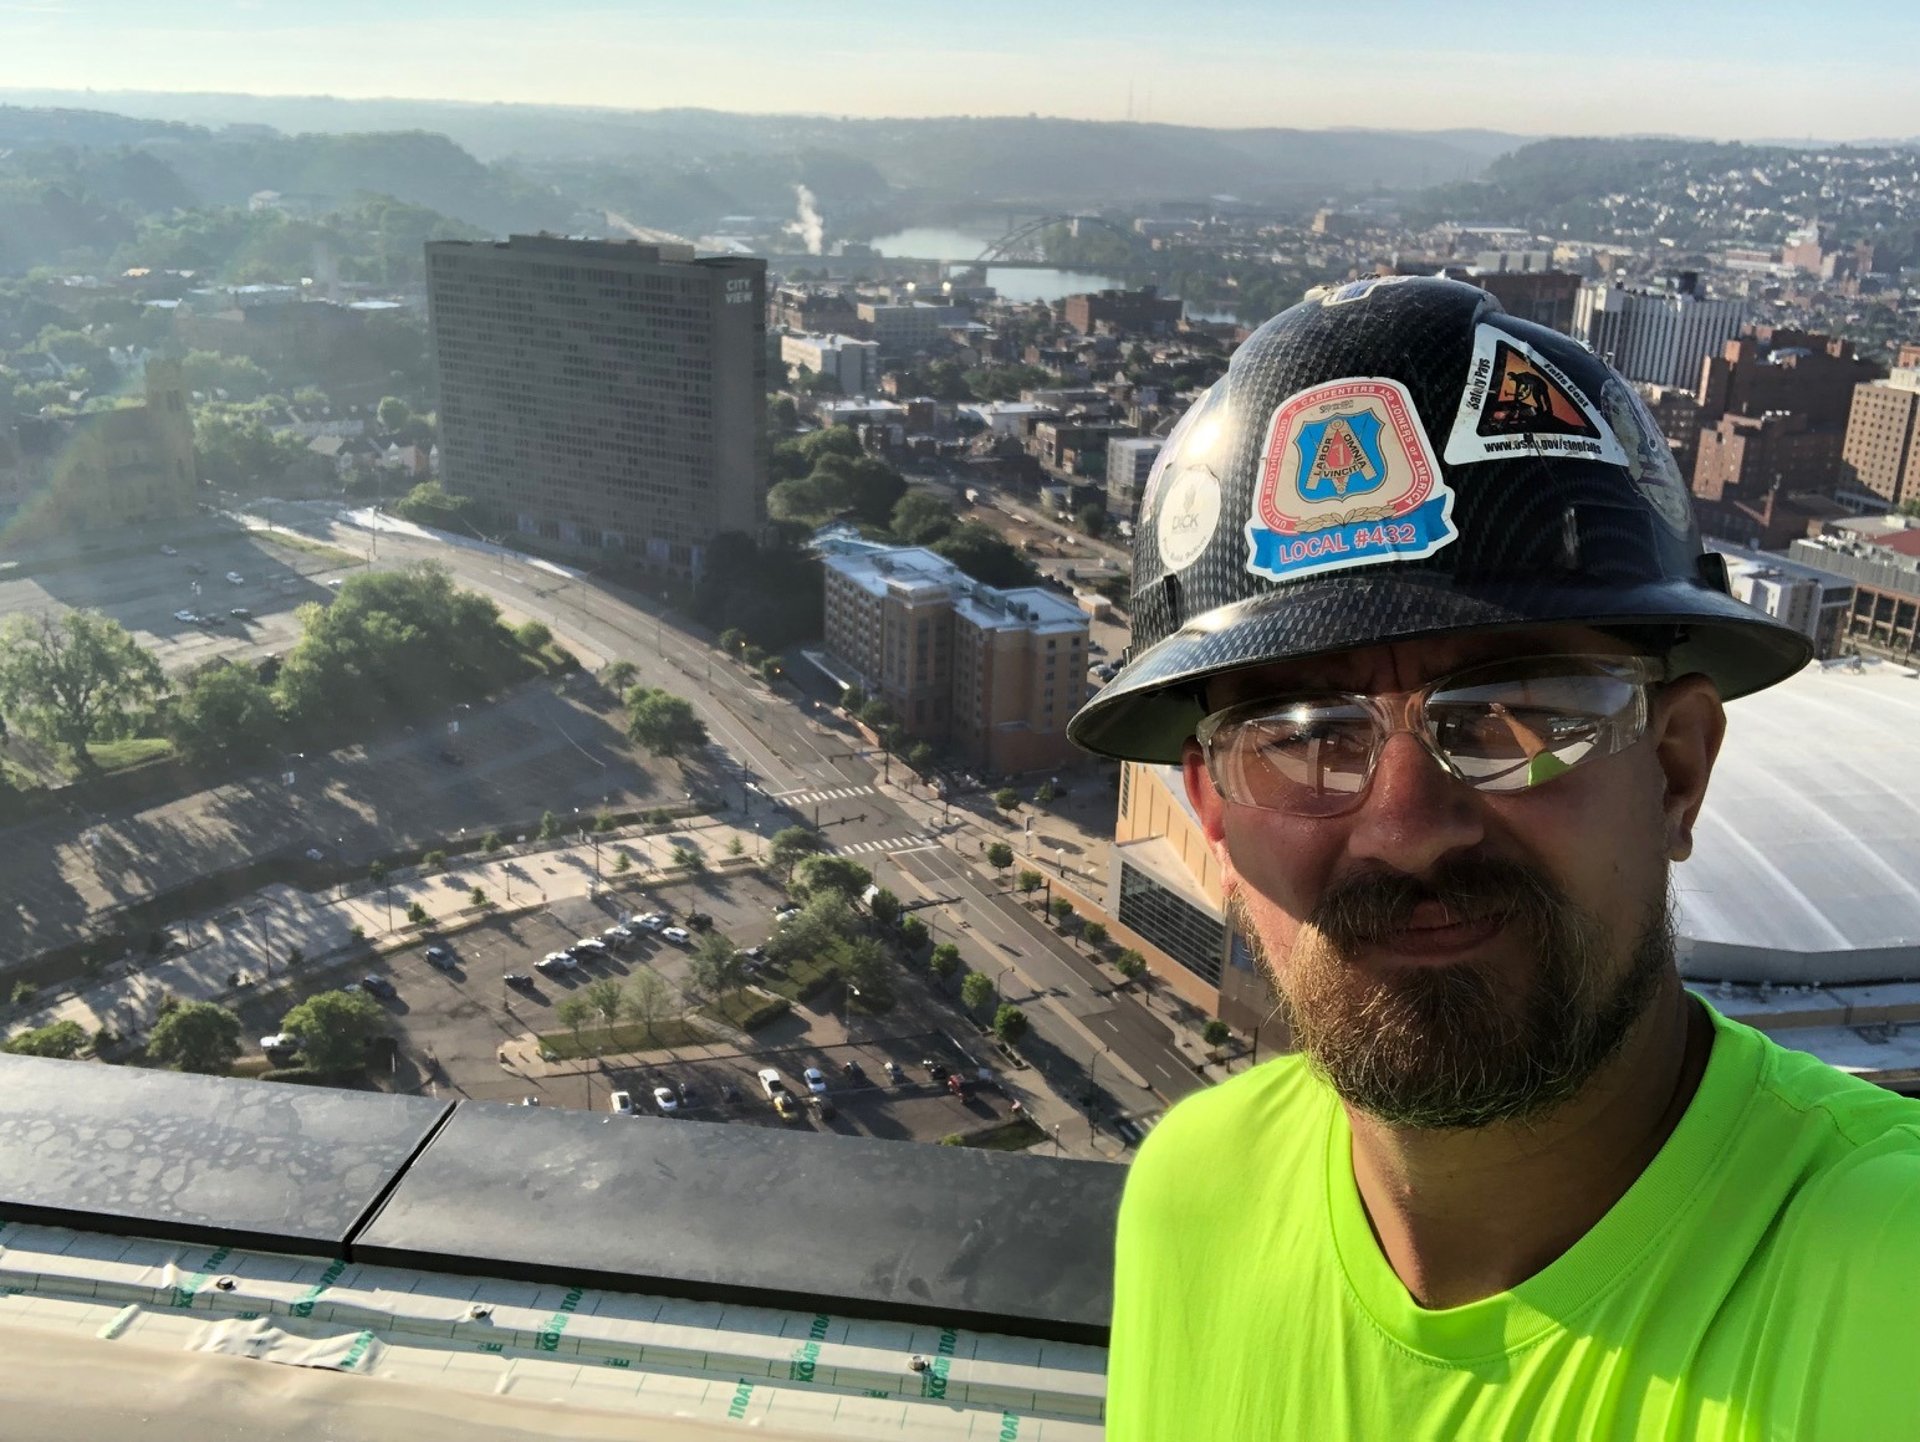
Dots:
{"x": 1371, "y": 906}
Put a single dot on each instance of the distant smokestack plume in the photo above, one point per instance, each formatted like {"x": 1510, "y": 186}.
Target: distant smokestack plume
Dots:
{"x": 809, "y": 227}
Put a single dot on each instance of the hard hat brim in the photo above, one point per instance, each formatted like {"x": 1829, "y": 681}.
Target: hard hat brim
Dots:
{"x": 1147, "y": 712}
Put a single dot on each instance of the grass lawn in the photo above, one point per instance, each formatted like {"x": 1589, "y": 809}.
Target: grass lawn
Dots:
{"x": 1010, "y": 1136}
{"x": 802, "y": 980}
{"x": 135, "y": 751}
{"x": 745, "y": 1009}
{"x": 289, "y": 541}
{"x": 627, "y": 1036}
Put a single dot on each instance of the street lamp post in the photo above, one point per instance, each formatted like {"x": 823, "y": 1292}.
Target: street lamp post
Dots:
{"x": 852, "y": 993}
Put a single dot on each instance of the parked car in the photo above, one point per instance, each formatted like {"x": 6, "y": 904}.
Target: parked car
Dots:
{"x": 280, "y": 1041}
{"x": 236, "y": 579}
{"x": 213, "y": 619}
{"x": 614, "y": 935}
{"x": 822, "y": 1107}
{"x": 241, "y": 613}
{"x": 754, "y": 953}
{"x": 853, "y": 1071}
{"x": 894, "y": 1074}
{"x": 786, "y": 909}
{"x": 816, "y": 1080}
{"x": 678, "y": 935}
{"x": 652, "y": 921}
{"x": 378, "y": 986}
{"x": 592, "y": 946}
{"x": 771, "y": 1082}
{"x": 169, "y": 551}
{"x": 664, "y": 1098}
{"x": 555, "y": 961}
{"x": 439, "y": 956}
{"x": 699, "y": 920}
{"x": 621, "y": 1104}
{"x": 935, "y": 1069}
{"x": 516, "y": 978}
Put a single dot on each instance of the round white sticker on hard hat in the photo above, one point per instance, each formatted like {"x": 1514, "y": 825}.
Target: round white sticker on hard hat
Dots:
{"x": 1189, "y": 515}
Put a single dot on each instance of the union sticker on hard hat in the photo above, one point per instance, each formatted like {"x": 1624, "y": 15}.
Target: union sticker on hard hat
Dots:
{"x": 1347, "y": 478}
{"x": 1519, "y": 403}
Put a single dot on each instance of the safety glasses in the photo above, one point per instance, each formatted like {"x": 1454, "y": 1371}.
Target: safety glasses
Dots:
{"x": 1503, "y": 726}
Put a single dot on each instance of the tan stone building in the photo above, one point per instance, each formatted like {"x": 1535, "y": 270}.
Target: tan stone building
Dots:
{"x": 1880, "y": 453}
{"x": 994, "y": 673}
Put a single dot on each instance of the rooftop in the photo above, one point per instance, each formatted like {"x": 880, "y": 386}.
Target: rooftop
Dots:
{"x": 880, "y": 570}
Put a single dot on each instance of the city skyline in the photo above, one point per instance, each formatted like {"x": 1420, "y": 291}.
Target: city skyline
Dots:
{"x": 1712, "y": 71}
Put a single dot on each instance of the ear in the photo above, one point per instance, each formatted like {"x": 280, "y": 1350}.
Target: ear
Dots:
{"x": 1205, "y": 800}
{"x": 1689, "y": 725}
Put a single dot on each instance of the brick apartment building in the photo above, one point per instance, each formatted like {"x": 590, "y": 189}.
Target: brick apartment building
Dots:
{"x": 1130, "y": 312}
{"x": 1881, "y": 453}
{"x": 995, "y": 674}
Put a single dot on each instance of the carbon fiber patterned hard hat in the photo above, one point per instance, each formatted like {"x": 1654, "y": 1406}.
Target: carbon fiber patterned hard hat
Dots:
{"x": 1399, "y": 458}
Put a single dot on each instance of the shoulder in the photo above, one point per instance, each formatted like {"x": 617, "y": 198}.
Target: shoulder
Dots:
{"x": 1216, "y": 1132}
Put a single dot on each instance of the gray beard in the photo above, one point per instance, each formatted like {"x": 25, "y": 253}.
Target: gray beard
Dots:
{"x": 1449, "y": 1047}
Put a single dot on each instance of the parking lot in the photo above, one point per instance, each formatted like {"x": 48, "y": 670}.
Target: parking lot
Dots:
{"x": 452, "y": 1021}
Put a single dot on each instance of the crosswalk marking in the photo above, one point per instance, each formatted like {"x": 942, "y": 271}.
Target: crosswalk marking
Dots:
{"x": 1134, "y": 1129}
{"x": 891, "y": 843}
{"x": 838, "y": 793}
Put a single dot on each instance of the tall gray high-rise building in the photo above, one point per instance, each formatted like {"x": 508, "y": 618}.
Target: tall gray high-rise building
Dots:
{"x": 1658, "y": 335}
{"x": 604, "y": 394}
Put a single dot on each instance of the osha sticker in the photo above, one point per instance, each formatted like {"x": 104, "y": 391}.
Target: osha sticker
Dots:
{"x": 1189, "y": 515}
{"x": 1519, "y": 403}
{"x": 1354, "y": 289}
{"x": 1649, "y": 459}
{"x": 1347, "y": 478}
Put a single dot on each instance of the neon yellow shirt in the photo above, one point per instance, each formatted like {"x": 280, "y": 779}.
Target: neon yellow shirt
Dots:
{"x": 1761, "y": 1280}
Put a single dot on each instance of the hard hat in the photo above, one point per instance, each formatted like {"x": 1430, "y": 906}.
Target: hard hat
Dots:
{"x": 1398, "y": 458}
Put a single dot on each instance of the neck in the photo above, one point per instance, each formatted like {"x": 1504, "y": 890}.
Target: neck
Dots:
{"x": 1462, "y": 1215}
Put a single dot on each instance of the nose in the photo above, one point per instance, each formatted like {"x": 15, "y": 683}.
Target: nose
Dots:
{"x": 1414, "y": 813}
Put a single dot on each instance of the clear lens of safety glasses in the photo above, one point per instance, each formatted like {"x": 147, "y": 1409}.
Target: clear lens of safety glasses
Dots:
{"x": 1504, "y": 726}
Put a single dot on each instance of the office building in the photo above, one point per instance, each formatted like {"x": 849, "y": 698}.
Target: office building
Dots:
{"x": 903, "y": 330}
{"x": 1813, "y": 600}
{"x": 1881, "y": 556}
{"x": 1879, "y": 454}
{"x": 853, "y": 364}
{"x": 604, "y": 395}
{"x": 1129, "y": 462}
{"x": 1127, "y": 312}
{"x": 1542, "y": 296}
{"x": 1658, "y": 335}
{"x": 994, "y": 673}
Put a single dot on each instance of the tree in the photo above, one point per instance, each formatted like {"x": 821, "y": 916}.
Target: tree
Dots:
{"x": 1046, "y": 793}
{"x": 1095, "y": 934}
{"x": 1216, "y": 1032}
{"x": 377, "y": 871}
{"x": 334, "y": 1028}
{"x": 434, "y": 860}
{"x": 491, "y": 843}
{"x": 617, "y": 676}
{"x": 1010, "y": 1024}
{"x": 864, "y": 964}
{"x": 393, "y": 413}
{"x": 732, "y": 639}
{"x": 913, "y": 933}
{"x": 852, "y": 699}
{"x": 716, "y": 965}
{"x": 838, "y": 875}
{"x": 999, "y": 855}
{"x": 736, "y": 847}
{"x": 877, "y": 713}
{"x": 477, "y": 896}
{"x": 663, "y": 723}
{"x": 1007, "y": 799}
{"x": 649, "y": 998}
{"x": 976, "y": 991}
{"x": 771, "y": 670}
{"x": 1060, "y": 908}
{"x": 817, "y": 930}
{"x": 885, "y": 907}
{"x": 222, "y": 711}
{"x": 920, "y": 518}
{"x": 1093, "y": 519}
{"x": 944, "y": 962}
{"x": 688, "y": 859}
{"x": 574, "y": 1012}
{"x": 533, "y": 635}
{"x": 919, "y": 756}
{"x": 57, "y": 1039}
{"x": 622, "y": 862}
{"x": 603, "y": 995}
{"x": 417, "y": 914}
{"x": 603, "y": 823}
{"x": 74, "y": 677}
{"x": 1029, "y": 882}
{"x": 983, "y": 555}
{"x": 198, "y": 1037}
{"x": 549, "y": 826}
{"x": 1130, "y": 963}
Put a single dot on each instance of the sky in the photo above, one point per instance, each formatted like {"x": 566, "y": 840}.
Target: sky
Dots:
{"x": 1719, "y": 68}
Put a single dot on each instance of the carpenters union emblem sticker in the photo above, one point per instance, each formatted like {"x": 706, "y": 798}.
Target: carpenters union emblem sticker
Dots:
{"x": 1347, "y": 478}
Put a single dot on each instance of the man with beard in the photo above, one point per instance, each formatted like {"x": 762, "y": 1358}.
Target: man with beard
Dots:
{"x": 1447, "y": 734}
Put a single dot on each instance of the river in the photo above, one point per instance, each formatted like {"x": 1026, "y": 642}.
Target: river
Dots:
{"x": 1019, "y": 283}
